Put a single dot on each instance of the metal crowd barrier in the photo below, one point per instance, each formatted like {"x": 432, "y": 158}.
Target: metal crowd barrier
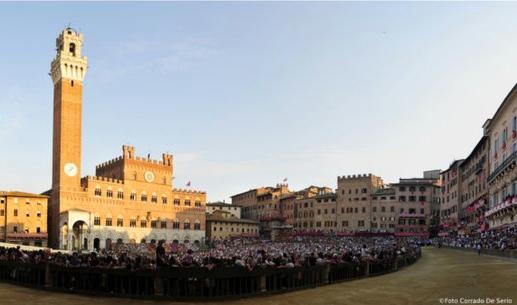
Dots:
{"x": 191, "y": 283}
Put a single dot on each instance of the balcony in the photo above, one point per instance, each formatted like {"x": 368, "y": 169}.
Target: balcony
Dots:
{"x": 503, "y": 166}
{"x": 509, "y": 202}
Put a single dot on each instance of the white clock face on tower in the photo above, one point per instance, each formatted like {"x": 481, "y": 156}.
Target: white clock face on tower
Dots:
{"x": 70, "y": 169}
{"x": 149, "y": 176}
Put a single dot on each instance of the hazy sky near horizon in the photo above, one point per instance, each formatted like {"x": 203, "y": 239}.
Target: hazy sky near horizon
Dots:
{"x": 247, "y": 94}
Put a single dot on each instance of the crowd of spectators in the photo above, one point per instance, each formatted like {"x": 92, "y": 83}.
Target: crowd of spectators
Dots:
{"x": 246, "y": 253}
{"x": 502, "y": 239}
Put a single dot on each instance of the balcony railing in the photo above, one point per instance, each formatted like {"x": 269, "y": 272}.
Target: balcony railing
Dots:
{"x": 511, "y": 159}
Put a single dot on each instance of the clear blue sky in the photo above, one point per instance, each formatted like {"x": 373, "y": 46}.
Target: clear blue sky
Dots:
{"x": 246, "y": 94}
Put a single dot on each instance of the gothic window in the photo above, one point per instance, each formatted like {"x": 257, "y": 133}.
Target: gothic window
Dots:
{"x": 120, "y": 222}
{"x": 176, "y": 202}
{"x": 109, "y": 193}
{"x": 132, "y": 223}
{"x": 186, "y": 225}
{"x": 187, "y": 202}
{"x": 72, "y": 48}
{"x": 154, "y": 198}
{"x": 154, "y": 224}
{"x": 120, "y": 194}
{"x": 163, "y": 224}
{"x": 108, "y": 221}
{"x": 97, "y": 221}
{"x": 176, "y": 224}
{"x": 143, "y": 197}
{"x": 197, "y": 203}
{"x": 98, "y": 191}
{"x": 143, "y": 223}
{"x": 197, "y": 225}
{"x": 164, "y": 199}
{"x": 133, "y": 195}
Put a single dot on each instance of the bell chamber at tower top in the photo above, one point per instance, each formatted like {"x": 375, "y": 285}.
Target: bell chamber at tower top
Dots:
{"x": 68, "y": 63}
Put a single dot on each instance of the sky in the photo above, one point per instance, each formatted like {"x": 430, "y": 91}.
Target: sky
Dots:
{"x": 247, "y": 94}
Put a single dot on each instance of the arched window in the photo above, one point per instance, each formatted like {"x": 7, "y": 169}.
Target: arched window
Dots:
{"x": 176, "y": 224}
{"x": 72, "y": 48}
{"x": 164, "y": 199}
{"x": 143, "y": 197}
{"x": 133, "y": 195}
{"x": 120, "y": 194}
{"x": 96, "y": 244}
{"x": 197, "y": 225}
{"x": 120, "y": 221}
{"x": 98, "y": 191}
{"x": 109, "y": 193}
{"x": 186, "y": 225}
{"x": 154, "y": 198}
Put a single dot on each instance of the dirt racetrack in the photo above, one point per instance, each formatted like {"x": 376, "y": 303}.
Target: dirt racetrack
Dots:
{"x": 441, "y": 273}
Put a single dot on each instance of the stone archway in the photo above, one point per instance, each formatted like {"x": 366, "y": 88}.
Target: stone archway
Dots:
{"x": 97, "y": 244}
{"x": 80, "y": 235}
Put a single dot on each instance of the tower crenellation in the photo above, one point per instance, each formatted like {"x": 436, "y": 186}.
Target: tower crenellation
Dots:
{"x": 68, "y": 63}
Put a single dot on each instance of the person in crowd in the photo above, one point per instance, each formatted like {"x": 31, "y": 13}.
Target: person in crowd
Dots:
{"x": 247, "y": 253}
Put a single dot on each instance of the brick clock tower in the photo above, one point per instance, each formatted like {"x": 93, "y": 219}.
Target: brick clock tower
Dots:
{"x": 67, "y": 71}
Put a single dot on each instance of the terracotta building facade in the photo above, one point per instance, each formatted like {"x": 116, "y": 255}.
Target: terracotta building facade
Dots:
{"x": 502, "y": 178}
{"x": 474, "y": 189}
{"x": 23, "y": 218}
{"x": 131, "y": 199}
{"x": 361, "y": 203}
{"x": 223, "y": 221}
{"x": 450, "y": 199}
{"x": 354, "y": 199}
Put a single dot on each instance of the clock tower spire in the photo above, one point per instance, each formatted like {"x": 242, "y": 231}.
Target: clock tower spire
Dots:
{"x": 67, "y": 72}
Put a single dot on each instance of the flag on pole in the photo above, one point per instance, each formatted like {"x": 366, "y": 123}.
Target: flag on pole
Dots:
{"x": 188, "y": 184}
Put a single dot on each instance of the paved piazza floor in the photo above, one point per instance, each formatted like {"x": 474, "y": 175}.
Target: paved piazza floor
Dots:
{"x": 440, "y": 273}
